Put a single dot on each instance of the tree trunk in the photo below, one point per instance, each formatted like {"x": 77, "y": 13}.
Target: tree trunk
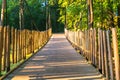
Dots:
{"x": 90, "y": 13}
{"x": 3, "y": 12}
{"x": 110, "y": 13}
{"x": 21, "y": 14}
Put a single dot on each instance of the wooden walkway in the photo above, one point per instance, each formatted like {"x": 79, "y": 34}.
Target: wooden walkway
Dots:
{"x": 56, "y": 61}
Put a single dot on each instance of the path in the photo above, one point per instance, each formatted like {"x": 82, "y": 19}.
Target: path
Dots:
{"x": 56, "y": 61}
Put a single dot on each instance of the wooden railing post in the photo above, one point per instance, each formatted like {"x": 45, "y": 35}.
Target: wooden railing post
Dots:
{"x": 8, "y": 50}
{"x": 105, "y": 55}
{"x": 4, "y": 47}
{"x": 116, "y": 55}
{"x": 1, "y": 47}
{"x": 15, "y": 45}
{"x": 109, "y": 55}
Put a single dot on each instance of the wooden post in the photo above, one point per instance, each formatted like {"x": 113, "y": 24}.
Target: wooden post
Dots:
{"x": 25, "y": 44}
{"x": 19, "y": 47}
{"x": 105, "y": 56}
{"x": 85, "y": 43}
{"x": 31, "y": 45}
{"x": 4, "y": 47}
{"x": 13, "y": 41}
{"x": 22, "y": 43}
{"x": 95, "y": 47}
{"x": 91, "y": 46}
{"x": 116, "y": 55}
{"x": 88, "y": 41}
{"x": 3, "y": 10}
{"x": 1, "y": 47}
{"x": 99, "y": 50}
{"x": 102, "y": 52}
{"x": 8, "y": 50}
{"x": 109, "y": 55}
{"x": 15, "y": 46}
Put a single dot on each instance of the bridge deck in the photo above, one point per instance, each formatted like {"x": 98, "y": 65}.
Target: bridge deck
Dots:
{"x": 56, "y": 61}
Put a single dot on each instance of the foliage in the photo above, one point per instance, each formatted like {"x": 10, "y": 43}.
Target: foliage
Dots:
{"x": 55, "y": 14}
{"x": 118, "y": 34}
{"x": 104, "y": 13}
{"x": 34, "y": 14}
{"x": 74, "y": 12}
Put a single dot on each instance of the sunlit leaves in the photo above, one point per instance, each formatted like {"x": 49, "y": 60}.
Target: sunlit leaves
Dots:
{"x": 103, "y": 10}
{"x": 73, "y": 9}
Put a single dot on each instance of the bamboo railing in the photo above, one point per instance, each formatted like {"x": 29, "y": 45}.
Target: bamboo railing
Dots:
{"x": 100, "y": 47}
{"x": 17, "y": 45}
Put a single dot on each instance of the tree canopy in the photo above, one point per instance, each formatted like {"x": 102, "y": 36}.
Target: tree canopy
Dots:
{"x": 34, "y": 14}
{"x": 105, "y": 13}
{"x": 74, "y": 12}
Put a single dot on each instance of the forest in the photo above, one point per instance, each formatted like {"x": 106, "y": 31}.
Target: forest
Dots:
{"x": 76, "y": 13}
{"x": 41, "y": 15}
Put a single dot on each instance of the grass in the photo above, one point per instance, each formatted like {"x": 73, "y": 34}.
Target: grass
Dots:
{"x": 118, "y": 33}
{"x": 12, "y": 66}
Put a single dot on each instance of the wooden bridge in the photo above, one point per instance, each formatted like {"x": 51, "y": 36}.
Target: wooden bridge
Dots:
{"x": 56, "y": 61}
{"x": 30, "y": 52}
{"x": 93, "y": 59}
